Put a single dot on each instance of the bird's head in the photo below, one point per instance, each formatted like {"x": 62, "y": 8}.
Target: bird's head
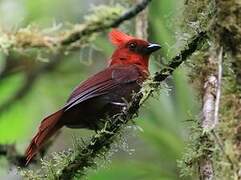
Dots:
{"x": 130, "y": 50}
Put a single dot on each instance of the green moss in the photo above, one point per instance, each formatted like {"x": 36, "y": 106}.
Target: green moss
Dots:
{"x": 197, "y": 15}
{"x": 223, "y": 26}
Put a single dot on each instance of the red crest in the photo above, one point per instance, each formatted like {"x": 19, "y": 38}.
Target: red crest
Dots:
{"x": 118, "y": 38}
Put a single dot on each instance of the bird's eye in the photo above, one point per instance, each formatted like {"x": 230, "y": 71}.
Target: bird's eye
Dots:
{"x": 132, "y": 46}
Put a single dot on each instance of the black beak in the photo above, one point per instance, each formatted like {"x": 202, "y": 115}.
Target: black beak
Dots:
{"x": 152, "y": 48}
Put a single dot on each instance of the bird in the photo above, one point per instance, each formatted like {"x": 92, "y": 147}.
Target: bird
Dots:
{"x": 103, "y": 94}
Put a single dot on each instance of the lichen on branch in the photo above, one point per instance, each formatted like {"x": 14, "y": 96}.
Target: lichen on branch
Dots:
{"x": 101, "y": 18}
{"x": 31, "y": 37}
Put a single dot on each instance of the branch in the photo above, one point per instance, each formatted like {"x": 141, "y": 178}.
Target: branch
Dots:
{"x": 112, "y": 17}
{"x": 126, "y": 16}
{"x": 219, "y": 86}
{"x": 100, "y": 143}
{"x": 74, "y": 36}
{"x": 208, "y": 123}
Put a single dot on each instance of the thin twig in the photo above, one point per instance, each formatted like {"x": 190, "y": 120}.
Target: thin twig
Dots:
{"x": 219, "y": 85}
{"x": 211, "y": 103}
{"x": 218, "y": 140}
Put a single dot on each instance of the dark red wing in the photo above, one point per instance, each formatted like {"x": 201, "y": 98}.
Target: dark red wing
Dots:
{"x": 102, "y": 83}
{"x": 97, "y": 85}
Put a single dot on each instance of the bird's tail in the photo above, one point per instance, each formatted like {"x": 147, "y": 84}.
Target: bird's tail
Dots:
{"x": 47, "y": 128}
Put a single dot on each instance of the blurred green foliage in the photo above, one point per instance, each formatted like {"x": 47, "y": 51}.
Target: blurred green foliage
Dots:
{"x": 163, "y": 118}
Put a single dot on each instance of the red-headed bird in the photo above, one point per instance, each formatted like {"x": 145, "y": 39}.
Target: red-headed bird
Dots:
{"x": 104, "y": 94}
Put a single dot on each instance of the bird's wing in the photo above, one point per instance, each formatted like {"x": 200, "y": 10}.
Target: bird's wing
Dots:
{"x": 102, "y": 83}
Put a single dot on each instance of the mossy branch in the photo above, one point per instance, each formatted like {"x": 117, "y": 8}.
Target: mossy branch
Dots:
{"x": 102, "y": 18}
{"x": 74, "y": 163}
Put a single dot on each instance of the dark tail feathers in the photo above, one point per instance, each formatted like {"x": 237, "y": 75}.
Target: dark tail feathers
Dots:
{"x": 47, "y": 128}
